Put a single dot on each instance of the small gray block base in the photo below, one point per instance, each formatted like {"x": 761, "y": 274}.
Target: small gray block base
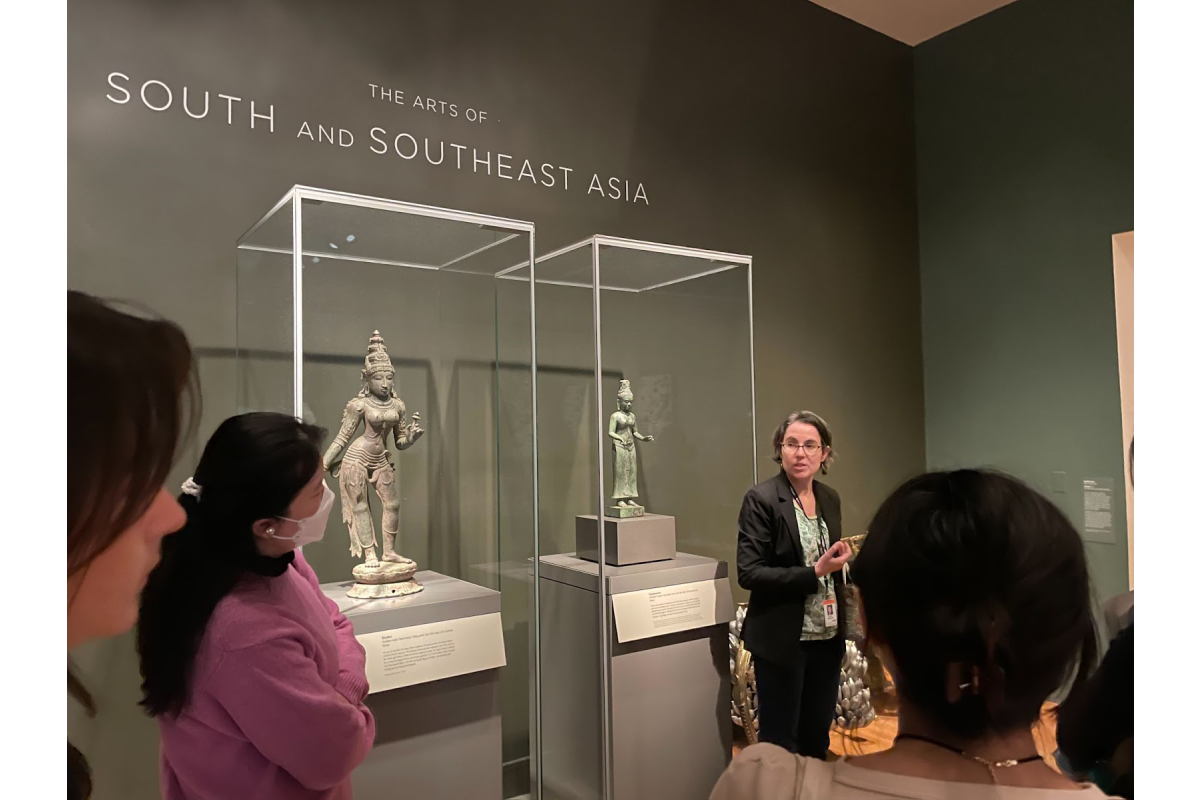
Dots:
{"x": 632, "y": 540}
{"x": 424, "y": 734}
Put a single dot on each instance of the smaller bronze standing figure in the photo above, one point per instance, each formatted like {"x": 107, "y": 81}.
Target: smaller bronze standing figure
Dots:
{"x": 368, "y": 461}
{"x": 622, "y": 429}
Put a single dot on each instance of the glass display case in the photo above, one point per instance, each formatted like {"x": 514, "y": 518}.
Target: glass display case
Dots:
{"x": 645, "y": 444}
{"x": 336, "y": 290}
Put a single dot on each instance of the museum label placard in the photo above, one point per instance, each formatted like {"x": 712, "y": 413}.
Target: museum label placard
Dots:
{"x": 431, "y": 652}
{"x": 671, "y": 609}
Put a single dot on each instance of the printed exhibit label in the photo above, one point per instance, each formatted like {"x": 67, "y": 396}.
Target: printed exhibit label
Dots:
{"x": 1098, "y": 510}
{"x": 671, "y": 609}
{"x": 431, "y": 652}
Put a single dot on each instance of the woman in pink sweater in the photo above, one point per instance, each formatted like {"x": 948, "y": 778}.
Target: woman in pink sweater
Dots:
{"x": 255, "y": 678}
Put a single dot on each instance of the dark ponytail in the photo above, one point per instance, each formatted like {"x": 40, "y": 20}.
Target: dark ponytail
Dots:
{"x": 252, "y": 468}
{"x": 977, "y": 587}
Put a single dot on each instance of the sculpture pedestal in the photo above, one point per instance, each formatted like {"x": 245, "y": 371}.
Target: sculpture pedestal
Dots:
{"x": 384, "y": 579}
{"x": 435, "y": 739}
{"x": 625, "y": 512}
{"x": 672, "y": 735}
{"x": 634, "y": 540}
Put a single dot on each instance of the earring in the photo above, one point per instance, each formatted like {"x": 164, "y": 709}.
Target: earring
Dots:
{"x": 270, "y": 531}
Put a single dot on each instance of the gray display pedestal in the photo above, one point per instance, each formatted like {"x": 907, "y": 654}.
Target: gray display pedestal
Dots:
{"x": 672, "y": 735}
{"x": 439, "y": 740}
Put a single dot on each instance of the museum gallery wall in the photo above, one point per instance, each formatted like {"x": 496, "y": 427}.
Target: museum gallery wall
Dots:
{"x": 773, "y": 129}
{"x": 1025, "y": 157}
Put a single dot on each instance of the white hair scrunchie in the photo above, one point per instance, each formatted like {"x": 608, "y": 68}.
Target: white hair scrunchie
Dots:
{"x": 192, "y": 488}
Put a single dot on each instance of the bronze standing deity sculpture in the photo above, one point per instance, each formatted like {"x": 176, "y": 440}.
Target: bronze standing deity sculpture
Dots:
{"x": 366, "y": 463}
{"x": 622, "y": 429}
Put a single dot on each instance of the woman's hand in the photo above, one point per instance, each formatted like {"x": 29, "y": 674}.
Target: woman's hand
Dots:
{"x": 834, "y": 559}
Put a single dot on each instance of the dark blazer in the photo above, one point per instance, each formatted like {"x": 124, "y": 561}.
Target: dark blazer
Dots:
{"x": 770, "y": 564}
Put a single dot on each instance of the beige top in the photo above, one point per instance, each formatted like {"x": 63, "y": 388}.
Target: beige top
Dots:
{"x": 768, "y": 772}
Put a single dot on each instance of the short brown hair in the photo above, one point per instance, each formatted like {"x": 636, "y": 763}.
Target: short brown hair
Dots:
{"x": 811, "y": 419}
{"x": 134, "y": 399}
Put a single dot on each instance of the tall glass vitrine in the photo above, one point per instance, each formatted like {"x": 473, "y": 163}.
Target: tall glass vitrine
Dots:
{"x": 638, "y": 340}
{"x": 323, "y": 278}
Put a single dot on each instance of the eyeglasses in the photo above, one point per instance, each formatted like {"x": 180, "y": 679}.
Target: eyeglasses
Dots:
{"x": 810, "y": 448}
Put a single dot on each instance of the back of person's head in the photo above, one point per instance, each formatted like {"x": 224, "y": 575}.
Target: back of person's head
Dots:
{"x": 975, "y": 589}
{"x": 252, "y": 468}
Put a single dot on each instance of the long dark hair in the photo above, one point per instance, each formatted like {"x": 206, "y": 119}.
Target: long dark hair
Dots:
{"x": 978, "y": 587}
{"x": 252, "y": 468}
{"x": 134, "y": 400}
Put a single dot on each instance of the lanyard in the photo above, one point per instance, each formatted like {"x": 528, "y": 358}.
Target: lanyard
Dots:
{"x": 822, "y": 541}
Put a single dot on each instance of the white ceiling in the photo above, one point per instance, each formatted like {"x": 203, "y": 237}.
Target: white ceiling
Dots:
{"x": 912, "y": 21}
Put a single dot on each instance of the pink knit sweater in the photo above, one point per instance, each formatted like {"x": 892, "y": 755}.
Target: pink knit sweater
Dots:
{"x": 276, "y": 709}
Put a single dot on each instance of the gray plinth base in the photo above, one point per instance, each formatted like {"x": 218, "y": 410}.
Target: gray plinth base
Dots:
{"x": 624, "y": 512}
{"x": 671, "y": 731}
{"x": 425, "y": 734}
{"x": 633, "y": 540}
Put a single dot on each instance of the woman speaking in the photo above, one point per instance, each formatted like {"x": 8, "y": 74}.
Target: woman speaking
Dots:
{"x": 790, "y": 557}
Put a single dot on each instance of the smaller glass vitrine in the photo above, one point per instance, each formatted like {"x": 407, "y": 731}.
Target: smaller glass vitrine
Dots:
{"x": 645, "y": 435}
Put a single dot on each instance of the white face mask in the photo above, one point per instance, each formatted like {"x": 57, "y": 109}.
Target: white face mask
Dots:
{"x": 311, "y": 529}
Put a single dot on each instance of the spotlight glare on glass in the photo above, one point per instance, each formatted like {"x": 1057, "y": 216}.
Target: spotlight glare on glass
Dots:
{"x": 350, "y": 238}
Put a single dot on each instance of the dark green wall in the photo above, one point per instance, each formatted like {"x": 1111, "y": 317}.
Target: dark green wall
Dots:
{"x": 1024, "y": 123}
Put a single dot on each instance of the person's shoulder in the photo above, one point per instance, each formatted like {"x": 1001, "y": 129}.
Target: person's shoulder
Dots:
{"x": 1079, "y": 791}
{"x": 300, "y": 563}
{"x": 252, "y": 615}
{"x": 822, "y": 486}
{"x": 827, "y": 494}
{"x": 766, "y": 753}
{"x": 762, "y": 771}
{"x": 765, "y": 490}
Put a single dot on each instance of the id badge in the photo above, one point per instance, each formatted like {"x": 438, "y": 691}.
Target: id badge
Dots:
{"x": 830, "y": 607}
